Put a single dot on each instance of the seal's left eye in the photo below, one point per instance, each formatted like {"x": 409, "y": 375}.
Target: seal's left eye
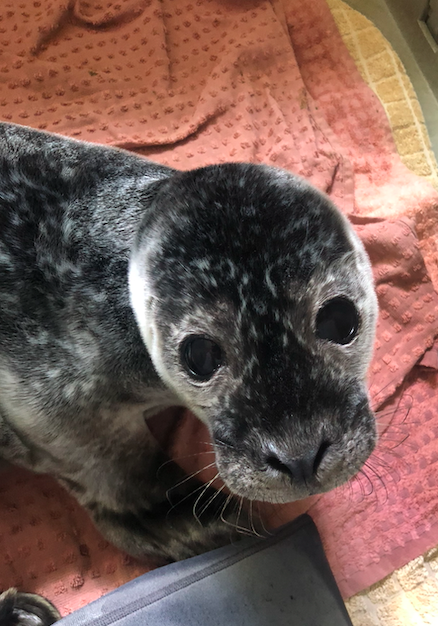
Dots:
{"x": 201, "y": 357}
{"x": 337, "y": 321}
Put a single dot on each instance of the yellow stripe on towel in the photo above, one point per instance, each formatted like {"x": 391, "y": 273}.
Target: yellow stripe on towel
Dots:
{"x": 382, "y": 69}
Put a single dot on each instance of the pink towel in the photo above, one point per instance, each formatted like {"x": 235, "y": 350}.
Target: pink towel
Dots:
{"x": 216, "y": 80}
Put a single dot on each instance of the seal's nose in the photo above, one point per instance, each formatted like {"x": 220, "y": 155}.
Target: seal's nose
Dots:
{"x": 301, "y": 469}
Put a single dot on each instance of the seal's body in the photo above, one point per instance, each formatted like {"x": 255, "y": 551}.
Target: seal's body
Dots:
{"x": 127, "y": 288}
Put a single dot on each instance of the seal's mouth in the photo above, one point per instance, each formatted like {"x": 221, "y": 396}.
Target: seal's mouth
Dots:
{"x": 186, "y": 440}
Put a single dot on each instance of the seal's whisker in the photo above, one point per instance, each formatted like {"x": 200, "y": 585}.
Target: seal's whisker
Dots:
{"x": 222, "y": 444}
{"x": 372, "y": 469}
{"x": 251, "y": 520}
{"x": 398, "y": 443}
{"x": 241, "y": 529}
{"x": 365, "y": 494}
{"x": 394, "y": 429}
{"x": 357, "y": 481}
{"x": 187, "y": 478}
{"x": 226, "y": 503}
{"x": 388, "y": 465}
{"x": 265, "y": 530}
{"x": 211, "y": 500}
{"x": 375, "y": 458}
{"x": 382, "y": 389}
{"x": 380, "y": 417}
{"x": 186, "y": 497}
{"x": 399, "y": 391}
{"x": 239, "y": 511}
{"x": 390, "y": 426}
{"x": 214, "y": 444}
{"x": 180, "y": 458}
{"x": 198, "y": 499}
{"x": 404, "y": 403}
{"x": 384, "y": 471}
{"x": 349, "y": 486}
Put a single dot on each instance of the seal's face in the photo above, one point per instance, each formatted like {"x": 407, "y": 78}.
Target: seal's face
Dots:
{"x": 255, "y": 300}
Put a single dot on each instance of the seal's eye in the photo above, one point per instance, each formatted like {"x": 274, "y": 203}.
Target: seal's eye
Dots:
{"x": 201, "y": 357}
{"x": 337, "y": 321}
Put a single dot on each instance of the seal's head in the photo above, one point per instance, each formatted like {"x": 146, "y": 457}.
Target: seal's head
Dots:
{"x": 255, "y": 300}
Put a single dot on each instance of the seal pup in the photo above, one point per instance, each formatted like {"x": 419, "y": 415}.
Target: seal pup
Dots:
{"x": 127, "y": 288}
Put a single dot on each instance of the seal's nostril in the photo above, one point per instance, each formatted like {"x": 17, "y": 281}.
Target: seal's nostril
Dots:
{"x": 325, "y": 445}
{"x": 276, "y": 464}
{"x": 303, "y": 468}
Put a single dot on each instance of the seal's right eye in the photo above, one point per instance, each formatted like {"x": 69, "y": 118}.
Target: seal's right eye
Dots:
{"x": 337, "y": 321}
{"x": 201, "y": 357}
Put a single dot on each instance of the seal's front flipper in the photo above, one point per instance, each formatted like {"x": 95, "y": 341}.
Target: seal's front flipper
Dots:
{"x": 26, "y": 609}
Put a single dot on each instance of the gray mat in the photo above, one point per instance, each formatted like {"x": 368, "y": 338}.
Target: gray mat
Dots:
{"x": 284, "y": 580}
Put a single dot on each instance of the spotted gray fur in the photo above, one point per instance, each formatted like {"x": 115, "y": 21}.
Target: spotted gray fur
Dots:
{"x": 244, "y": 254}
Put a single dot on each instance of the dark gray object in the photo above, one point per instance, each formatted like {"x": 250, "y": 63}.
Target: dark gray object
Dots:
{"x": 284, "y": 580}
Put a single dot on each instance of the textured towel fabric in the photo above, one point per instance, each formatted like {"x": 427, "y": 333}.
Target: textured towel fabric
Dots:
{"x": 214, "y": 80}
